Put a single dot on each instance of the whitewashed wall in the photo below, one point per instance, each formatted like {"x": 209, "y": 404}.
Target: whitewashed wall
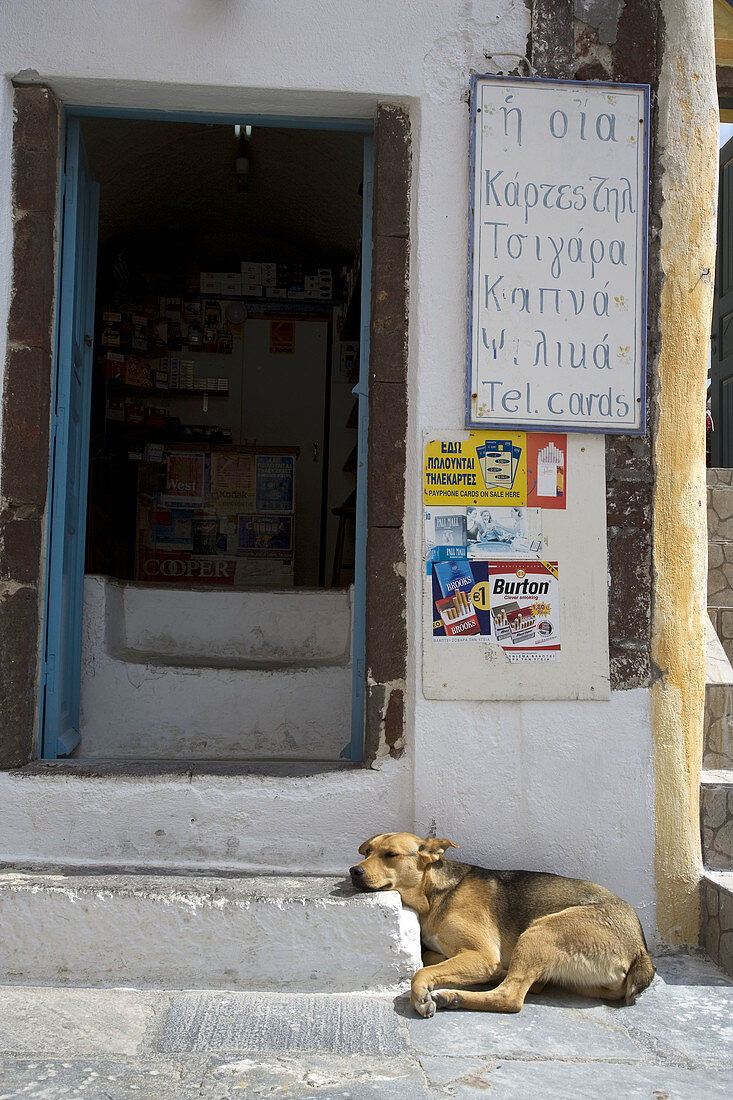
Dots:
{"x": 563, "y": 785}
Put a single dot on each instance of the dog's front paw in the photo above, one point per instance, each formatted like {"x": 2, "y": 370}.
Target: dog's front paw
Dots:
{"x": 447, "y": 998}
{"x": 423, "y": 1003}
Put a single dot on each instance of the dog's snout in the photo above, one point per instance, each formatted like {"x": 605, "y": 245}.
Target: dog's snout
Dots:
{"x": 356, "y": 871}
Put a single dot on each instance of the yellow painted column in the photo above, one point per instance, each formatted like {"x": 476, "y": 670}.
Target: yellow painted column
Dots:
{"x": 688, "y": 147}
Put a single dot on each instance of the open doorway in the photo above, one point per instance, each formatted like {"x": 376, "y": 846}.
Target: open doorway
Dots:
{"x": 225, "y": 453}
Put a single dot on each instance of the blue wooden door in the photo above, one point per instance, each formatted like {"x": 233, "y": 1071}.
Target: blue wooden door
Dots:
{"x": 70, "y": 451}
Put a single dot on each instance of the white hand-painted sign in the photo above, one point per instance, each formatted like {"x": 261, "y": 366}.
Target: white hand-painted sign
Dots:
{"x": 557, "y": 272}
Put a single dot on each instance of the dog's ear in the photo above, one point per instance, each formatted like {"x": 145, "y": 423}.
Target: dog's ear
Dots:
{"x": 368, "y": 843}
{"x": 431, "y": 849}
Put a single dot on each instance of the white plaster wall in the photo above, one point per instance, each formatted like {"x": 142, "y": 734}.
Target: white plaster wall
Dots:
{"x": 565, "y": 784}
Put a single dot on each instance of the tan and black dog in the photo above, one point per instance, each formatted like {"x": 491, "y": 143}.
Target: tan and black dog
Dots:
{"x": 522, "y": 928}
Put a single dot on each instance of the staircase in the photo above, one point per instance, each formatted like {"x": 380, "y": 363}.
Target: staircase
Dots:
{"x": 716, "y": 781}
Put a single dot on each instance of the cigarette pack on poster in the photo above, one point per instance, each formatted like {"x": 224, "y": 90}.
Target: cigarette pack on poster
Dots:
{"x": 458, "y": 616}
{"x": 525, "y": 608}
{"x": 265, "y": 536}
{"x": 460, "y": 601}
{"x": 453, "y": 576}
{"x": 445, "y": 534}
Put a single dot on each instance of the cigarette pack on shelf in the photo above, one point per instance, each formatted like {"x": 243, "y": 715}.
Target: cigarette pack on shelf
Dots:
{"x": 137, "y": 373}
{"x": 269, "y": 274}
{"x": 251, "y": 272}
{"x": 139, "y": 333}
{"x": 114, "y": 366}
{"x": 111, "y": 330}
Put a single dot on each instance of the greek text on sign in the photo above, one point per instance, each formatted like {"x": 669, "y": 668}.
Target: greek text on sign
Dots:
{"x": 557, "y": 321}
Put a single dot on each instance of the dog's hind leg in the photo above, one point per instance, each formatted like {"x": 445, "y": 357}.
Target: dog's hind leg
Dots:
{"x": 466, "y": 968}
{"x": 573, "y": 948}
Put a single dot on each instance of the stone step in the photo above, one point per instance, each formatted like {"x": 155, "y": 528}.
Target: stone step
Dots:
{"x": 716, "y": 818}
{"x": 717, "y": 917}
{"x": 151, "y": 929}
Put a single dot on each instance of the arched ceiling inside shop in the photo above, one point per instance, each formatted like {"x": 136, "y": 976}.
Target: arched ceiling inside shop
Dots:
{"x": 169, "y": 193}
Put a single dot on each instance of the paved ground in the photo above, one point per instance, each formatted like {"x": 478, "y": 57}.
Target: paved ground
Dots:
{"x": 676, "y": 1042}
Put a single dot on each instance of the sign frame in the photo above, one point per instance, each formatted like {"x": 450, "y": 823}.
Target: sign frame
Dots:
{"x": 563, "y": 423}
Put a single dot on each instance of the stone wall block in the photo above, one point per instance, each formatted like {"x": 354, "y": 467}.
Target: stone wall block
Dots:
{"x": 388, "y": 341}
{"x": 716, "y": 824}
{"x": 386, "y": 482}
{"x": 33, "y": 272}
{"x": 36, "y": 117}
{"x": 719, "y": 477}
{"x": 18, "y": 661}
{"x": 553, "y": 43}
{"x": 630, "y": 586}
{"x": 634, "y": 51}
{"x": 629, "y": 504}
{"x": 718, "y": 727}
{"x": 392, "y": 172}
{"x": 34, "y": 181}
{"x": 26, "y": 427}
{"x": 20, "y": 549}
{"x": 386, "y": 629}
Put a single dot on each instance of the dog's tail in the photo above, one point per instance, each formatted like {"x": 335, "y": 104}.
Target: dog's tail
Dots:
{"x": 639, "y": 976}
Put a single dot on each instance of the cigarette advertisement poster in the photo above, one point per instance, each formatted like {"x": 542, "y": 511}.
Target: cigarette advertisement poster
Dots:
{"x": 184, "y": 482}
{"x": 514, "y": 604}
{"x": 233, "y": 481}
{"x": 558, "y": 208}
{"x": 275, "y": 475}
{"x": 501, "y": 469}
{"x": 265, "y": 536}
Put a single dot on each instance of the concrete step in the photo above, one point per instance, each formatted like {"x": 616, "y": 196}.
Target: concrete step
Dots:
{"x": 236, "y": 690}
{"x": 240, "y": 629}
{"x": 717, "y": 917}
{"x": 106, "y": 927}
{"x": 716, "y": 819}
{"x": 246, "y": 818}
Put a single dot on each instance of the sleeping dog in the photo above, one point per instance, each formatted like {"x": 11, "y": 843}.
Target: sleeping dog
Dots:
{"x": 520, "y": 928}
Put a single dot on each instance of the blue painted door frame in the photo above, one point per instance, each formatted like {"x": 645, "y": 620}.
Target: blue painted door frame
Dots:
{"x": 61, "y": 676}
{"x": 61, "y": 679}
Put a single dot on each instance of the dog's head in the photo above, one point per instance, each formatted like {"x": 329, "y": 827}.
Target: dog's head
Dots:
{"x": 396, "y": 861}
